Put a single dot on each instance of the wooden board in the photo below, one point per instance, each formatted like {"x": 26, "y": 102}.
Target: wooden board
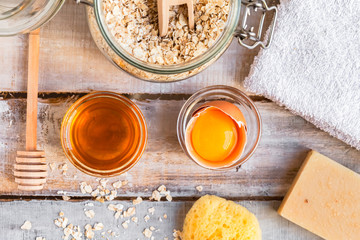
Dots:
{"x": 285, "y": 141}
{"x": 71, "y": 65}
{"x": 43, "y": 213}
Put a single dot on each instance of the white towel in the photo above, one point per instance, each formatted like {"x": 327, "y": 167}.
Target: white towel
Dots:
{"x": 313, "y": 65}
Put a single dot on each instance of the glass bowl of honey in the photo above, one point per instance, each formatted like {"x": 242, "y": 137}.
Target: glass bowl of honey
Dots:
{"x": 219, "y": 127}
{"x": 103, "y": 134}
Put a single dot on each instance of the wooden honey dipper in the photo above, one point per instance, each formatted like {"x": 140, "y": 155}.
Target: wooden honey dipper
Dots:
{"x": 163, "y": 13}
{"x": 30, "y": 169}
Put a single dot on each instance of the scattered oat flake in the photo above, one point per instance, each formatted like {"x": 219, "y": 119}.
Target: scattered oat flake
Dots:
{"x": 134, "y": 219}
{"x": 88, "y": 189}
{"x": 147, "y": 218}
{"x": 98, "y": 226}
{"x": 125, "y": 224}
{"x": 95, "y": 193}
{"x": 84, "y": 188}
{"x": 151, "y": 210}
{"x": 100, "y": 199}
{"x": 26, "y": 225}
{"x": 165, "y": 216}
{"x": 176, "y": 234}
{"x": 112, "y": 196}
{"x": 103, "y": 182}
{"x": 155, "y": 196}
{"x": 147, "y": 233}
{"x": 130, "y": 212}
{"x": 199, "y": 188}
{"x": 117, "y": 214}
{"x": 89, "y": 213}
{"x": 152, "y": 228}
{"x": 68, "y": 230}
{"x": 169, "y": 197}
{"x": 89, "y": 233}
{"x": 66, "y": 198}
{"x": 88, "y": 227}
{"x": 61, "y": 221}
{"x": 52, "y": 166}
{"x": 63, "y": 167}
{"x": 138, "y": 200}
{"x": 75, "y": 231}
{"x": 162, "y": 189}
{"x": 117, "y": 184}
{"x": 117, "y": 207}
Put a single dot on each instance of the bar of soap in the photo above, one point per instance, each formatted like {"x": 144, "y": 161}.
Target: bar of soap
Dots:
{"x": 324, "y": 199}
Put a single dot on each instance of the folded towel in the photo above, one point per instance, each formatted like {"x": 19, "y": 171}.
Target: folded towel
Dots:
{"x": 313, "y": 65}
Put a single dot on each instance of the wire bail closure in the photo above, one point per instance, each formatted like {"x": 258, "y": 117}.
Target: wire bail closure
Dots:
{"x": 86, "y": 2}
{"x": 251, "y": 36}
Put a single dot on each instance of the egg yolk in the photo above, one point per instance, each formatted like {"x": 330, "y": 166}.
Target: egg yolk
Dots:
{"x": 214, "y": 135}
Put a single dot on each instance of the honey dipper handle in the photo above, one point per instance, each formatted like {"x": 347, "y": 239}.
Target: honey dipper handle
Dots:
{"x": 32, "y": 89}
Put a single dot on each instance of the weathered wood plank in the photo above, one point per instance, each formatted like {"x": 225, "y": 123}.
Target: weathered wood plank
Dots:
{"x": 43, "y": 213}
{"x": 70, "y": 61}
{"x": 285, "y": 141}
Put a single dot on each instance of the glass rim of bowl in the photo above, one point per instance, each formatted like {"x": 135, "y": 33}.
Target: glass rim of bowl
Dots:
{"x": 35, "y": 23}
{"x": 211, "y": 91}
{"x": 221, "y": 43}
{"x": 66, "y": 144}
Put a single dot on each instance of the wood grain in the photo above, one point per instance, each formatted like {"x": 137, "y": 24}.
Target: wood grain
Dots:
{"x": 43, "y": 213}
{"x": 285, "y": 141}
{"x": 163, "y": 13}
{"x": 71, "y": 62}
{"x": 32, "y": 89}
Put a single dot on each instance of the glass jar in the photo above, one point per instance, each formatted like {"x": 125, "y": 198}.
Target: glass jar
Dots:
{"x": 103, "y": 134}
{"x": 234, "y": 96}
{"x": 23, "y": 16}
{"x": 168, "y": 73}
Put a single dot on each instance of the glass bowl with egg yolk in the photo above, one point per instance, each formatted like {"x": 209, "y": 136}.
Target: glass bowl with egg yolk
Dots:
{"x": 219, "y": 127}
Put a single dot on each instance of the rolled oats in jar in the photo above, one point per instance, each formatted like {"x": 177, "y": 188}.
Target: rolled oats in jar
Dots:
{"x": 134, "y": 25}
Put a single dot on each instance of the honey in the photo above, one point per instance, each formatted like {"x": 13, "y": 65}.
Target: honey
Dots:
{"x": 104, "y": 135}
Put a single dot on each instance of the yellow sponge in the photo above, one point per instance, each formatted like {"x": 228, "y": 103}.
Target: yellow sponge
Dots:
{"x": 215, "y": 218}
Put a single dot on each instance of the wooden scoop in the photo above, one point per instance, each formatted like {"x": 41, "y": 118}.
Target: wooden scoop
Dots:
{"x": 163, "y": 13}
{"x": 30, "y": 169}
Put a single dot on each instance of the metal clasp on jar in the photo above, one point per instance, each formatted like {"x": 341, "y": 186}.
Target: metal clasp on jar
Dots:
{"x": 86, "y": 2}
{"x": 246, "y": 35}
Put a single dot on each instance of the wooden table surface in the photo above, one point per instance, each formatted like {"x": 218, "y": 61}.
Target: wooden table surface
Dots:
{"x": 70, "y": 66}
